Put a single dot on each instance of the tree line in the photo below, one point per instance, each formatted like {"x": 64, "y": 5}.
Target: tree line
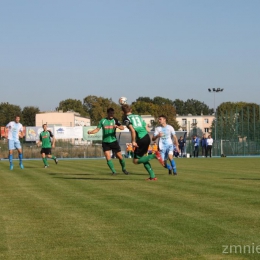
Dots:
{"x": 95, "y": 108}
{"x": 234, "y": 118}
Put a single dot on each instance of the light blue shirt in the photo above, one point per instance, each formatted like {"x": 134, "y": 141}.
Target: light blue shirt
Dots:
{"x": 13, "y": 130}
{"x": 166, "y": 139}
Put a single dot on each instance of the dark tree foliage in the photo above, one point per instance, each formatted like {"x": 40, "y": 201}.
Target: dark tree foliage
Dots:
{"x": 8, "y": 113}
{"x": 195, "y": 107}
{"x": 238, "y": 120}
{"x": 162, "y": 101}
{"x": 97, "y": 107}
{"x": 145, "y": 99}
{"x": 28, "y": 115}
{"x": 72, "y": 105}
{"x": 158, "y": 106}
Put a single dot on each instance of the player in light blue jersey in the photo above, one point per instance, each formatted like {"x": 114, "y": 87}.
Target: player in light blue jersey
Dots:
{"x": 165, "y": 133}
{"x": 15, "y": 131}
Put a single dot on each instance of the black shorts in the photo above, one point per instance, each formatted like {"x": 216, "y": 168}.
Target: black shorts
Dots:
{"x": 143, "y": 145}
{"x": 115, "y": 147}
{"x": 46, "y": 151}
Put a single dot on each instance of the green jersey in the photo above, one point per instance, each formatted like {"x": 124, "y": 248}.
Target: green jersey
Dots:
{"x": 138, "y": 124}
{"x": 108, "y": 128}
{"x": 45, "y": 138}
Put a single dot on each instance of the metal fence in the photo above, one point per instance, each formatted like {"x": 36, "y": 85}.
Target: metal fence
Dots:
{"x": 236, "y": 135}
{"x": 229, "y": 148}
{"x": 62, "y": 150}
{"x": 235, "y": 132}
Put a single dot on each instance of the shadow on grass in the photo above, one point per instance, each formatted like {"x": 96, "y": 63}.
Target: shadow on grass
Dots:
{"x": 58, "y": 173}
{"x": 244, "y": 179}
{"x": 96, "y": 179}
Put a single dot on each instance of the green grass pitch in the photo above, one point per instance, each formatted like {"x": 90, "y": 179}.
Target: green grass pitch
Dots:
{"x": 77, "y": 210}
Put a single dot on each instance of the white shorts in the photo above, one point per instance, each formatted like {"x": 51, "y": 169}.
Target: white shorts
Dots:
{"x": 14, "y": 144}
{"x": 166, "y": 150}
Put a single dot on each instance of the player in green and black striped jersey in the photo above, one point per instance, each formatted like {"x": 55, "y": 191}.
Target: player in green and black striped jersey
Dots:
{"x": 47, "y": 143}
{"x": 109, "y": 142}
{"x": 140, "y": 140}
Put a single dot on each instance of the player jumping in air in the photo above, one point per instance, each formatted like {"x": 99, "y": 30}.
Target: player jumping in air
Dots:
{"x": 109, "y": 142}
{"x": 140, "y": 141}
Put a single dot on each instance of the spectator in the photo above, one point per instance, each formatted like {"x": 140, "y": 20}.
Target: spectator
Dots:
{"x": 204, "y": 145}
{"x": 196, "y": 142}
{"x": 155, "y": 147}
{"x": 182, "y": 143}
{"x": 209, "y": 146}
{"x": 150, "y": 149}
{"x": 129, "y": 149}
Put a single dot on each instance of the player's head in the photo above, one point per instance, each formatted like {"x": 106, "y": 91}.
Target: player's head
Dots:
{"x": 162, "y": 119}
{"x": 110, "y": 112}
{"x": 17, "y": 119}
{"x": 44, "y": 126}
{"x": 126, "y": 109}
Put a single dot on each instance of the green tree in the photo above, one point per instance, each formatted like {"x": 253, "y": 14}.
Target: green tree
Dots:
{"x": 145, "y": 99}
{"x": 238, "y": 119}
{"x": 8, "y": 113}
{"x": 97, "y": 107}
{"x": 29, "y": 114}
{"x": 156, "y": 107}
{"x": 144, "y": 108}
{"x": 72, "y": 105}
{"x": 179, "y": 106}
{"x": 196, "y": 107}
{"x": 162, "y": 101}
{"x": 170, "y": 112}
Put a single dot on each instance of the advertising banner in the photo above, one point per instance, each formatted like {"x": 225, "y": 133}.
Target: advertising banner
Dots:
{"x": 92, "y": 137}
{"x": 4, "y": 133}
{"x": 32, "y": 132}
{"x": 67, "y": 132}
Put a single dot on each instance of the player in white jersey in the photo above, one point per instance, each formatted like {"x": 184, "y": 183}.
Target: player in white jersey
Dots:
{"x": 165, "y": 133}
{"x": 15, "y": 131}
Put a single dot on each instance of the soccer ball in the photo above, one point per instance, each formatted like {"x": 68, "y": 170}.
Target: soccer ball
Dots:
{"x": 122, "y": 100}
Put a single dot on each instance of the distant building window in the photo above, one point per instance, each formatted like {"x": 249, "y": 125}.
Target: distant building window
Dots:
{"x": 206, "y": 130}
{"x": 194, "y": 121}
{"x": 206, "y": 120}
{"x": 184, "y": 121}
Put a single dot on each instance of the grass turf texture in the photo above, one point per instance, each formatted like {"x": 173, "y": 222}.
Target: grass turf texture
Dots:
{"x": 77, "y": 210}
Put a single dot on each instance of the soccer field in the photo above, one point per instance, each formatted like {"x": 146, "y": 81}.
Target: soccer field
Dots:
{"x": 77, "y": 210}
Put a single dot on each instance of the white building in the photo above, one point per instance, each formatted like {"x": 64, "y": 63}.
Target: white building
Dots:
{"x": 201, "y": 123}
{"x": 148, "y": 120}
{"x": 58, "y": 118}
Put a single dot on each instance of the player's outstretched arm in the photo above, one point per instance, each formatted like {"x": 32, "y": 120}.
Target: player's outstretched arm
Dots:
{"x": 93, "y": 131}
{"x": 121, "y": 127}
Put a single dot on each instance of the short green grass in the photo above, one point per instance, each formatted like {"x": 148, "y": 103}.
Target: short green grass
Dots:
{"x": 77, "y": 210}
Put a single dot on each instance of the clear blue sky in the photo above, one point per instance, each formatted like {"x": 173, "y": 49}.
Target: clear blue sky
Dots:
{"x": 52, "y": 50}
